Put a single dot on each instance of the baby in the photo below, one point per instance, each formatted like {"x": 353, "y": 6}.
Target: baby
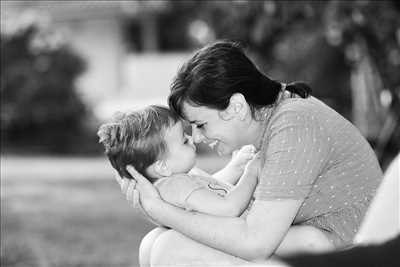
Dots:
{"x": 153, "y": 141}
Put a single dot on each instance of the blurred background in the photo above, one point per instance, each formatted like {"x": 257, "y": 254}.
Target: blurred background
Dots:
{"x": 66, "y": 66}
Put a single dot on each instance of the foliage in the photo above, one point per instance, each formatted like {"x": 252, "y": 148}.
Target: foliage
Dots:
{"x": 40, "y": 110}
{"x": 313, "y": 41}
{"x": 371, "y": 29}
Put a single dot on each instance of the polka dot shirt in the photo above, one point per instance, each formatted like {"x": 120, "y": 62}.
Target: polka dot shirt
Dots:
{"x": 312, "y": 153}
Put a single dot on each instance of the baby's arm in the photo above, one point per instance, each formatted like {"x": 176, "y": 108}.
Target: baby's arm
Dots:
{"x": 199, "y": 172}
{"x": 234, "y": 203}
{"x": 235, "y": 167}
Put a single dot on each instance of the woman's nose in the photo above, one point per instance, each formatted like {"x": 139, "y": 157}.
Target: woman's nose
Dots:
{"x": 197, "y": 136}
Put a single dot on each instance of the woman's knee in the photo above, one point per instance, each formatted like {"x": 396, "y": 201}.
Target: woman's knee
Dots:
{"x": 166, "y": 246}
{"x": 147, "y": 243}
{"x": 314, "y": 239}
{"x": 173, "y": 248}
{"x": 304, "y": 238}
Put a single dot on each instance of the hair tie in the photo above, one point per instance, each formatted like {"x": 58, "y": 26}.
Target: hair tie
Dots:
{"x": 283, "y": 87}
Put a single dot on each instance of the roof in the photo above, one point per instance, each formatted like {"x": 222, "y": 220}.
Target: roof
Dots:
{"x": 82, "y": 10}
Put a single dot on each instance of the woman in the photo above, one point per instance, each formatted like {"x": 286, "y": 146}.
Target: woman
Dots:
{"x": 317, "y": 178}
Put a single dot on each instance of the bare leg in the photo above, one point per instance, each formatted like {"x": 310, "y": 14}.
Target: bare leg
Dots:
{"x": 174, "y": 249}
{"x": 304, "y": 238}
{"x": 162, "y": 247}
{"x": 147, "y": 244}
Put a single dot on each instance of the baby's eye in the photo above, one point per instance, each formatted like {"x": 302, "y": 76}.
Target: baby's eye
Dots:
{"x": 185, "y": 140}
{"x": 199, "y": 126}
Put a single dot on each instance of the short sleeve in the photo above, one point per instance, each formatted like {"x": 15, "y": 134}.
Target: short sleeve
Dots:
{"x": 176, "y": 189}
{"x": 294, "y": 152}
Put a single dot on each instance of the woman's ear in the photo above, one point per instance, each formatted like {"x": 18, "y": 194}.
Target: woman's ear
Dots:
{"x": 237, "y": 108}
{"x": 162, "y": 169}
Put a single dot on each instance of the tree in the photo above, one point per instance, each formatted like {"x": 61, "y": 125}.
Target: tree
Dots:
{"x": 40, "y": 110}
{"x": 349, "y": 51}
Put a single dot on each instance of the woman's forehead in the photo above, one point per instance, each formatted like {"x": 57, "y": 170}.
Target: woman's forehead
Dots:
{"x": 198, "y": 113}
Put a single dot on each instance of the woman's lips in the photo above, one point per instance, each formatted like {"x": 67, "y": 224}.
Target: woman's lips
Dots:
{"x": 213, "y": 144}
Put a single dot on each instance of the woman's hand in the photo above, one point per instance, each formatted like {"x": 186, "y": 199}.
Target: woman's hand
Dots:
{"x": 139, "y": 191}
{"x": 128, "y": 185}
{"x": 147, "y": 191}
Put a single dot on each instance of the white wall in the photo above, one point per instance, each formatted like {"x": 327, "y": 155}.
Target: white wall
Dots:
{"x": 145, "y": 80}
{"x": 99, "y": 42}
{"x": 114, "y": 80}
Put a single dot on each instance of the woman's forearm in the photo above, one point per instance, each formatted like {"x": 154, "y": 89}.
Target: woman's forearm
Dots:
{"x": 228, "y": 234}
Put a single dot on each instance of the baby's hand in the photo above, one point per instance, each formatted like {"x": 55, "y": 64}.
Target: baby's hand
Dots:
{"x": 242, "y": 156}
{"x": 254, "y": 165}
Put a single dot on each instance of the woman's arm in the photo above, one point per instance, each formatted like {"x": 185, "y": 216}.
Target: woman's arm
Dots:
{"x": 234, "y": 203}
{"x": 260, "y": 233}
{"x": 252, "y": 238}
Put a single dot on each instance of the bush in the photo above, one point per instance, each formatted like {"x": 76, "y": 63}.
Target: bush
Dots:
{"x": 41, "y": 111}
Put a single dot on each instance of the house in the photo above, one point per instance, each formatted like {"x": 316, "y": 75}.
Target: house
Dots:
{"x": 116, "y": 78}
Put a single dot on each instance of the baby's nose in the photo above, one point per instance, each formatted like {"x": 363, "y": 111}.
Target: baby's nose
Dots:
{"x": 190, "y": 138}
{"x": 197, "y": 136}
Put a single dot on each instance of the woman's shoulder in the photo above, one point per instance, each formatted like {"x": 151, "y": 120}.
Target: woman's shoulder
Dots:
{"x": 306, "y": 109}
{"x": 293, "y": 109}
{"x": 302, "y": 105}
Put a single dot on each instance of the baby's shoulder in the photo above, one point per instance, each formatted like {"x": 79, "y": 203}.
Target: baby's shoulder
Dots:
{"x": 170, "y": 180}
{"x": 176, "y": 188}
{"x": 198, "y": 172}
{"x": 177, "y": 181}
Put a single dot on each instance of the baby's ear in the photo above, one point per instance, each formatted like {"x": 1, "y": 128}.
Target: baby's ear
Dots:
{"x": 162, "y": 169}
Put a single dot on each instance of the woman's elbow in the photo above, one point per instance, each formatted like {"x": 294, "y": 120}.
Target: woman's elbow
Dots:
{"x": 255, "y": 251}
{"x": 254, "y": 256}
{"x": 233, "y": 207}
{"x": 230, "y": 210}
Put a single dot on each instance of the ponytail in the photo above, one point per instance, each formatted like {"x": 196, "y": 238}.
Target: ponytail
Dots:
{"x": 299, "y": 88}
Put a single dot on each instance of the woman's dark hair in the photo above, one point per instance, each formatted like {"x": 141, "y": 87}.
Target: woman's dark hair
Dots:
{"x": 218, "y": 71}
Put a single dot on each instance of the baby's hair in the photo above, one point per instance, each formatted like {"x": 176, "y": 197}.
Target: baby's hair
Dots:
{"x": 136, "y": 138}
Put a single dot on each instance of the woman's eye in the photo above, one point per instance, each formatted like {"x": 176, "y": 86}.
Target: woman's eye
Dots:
{"x": 185, "y": 141}
{"x": 199, "y": 126}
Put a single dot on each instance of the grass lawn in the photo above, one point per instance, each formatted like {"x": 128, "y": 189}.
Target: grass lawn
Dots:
{"x": 69, "y": 212}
